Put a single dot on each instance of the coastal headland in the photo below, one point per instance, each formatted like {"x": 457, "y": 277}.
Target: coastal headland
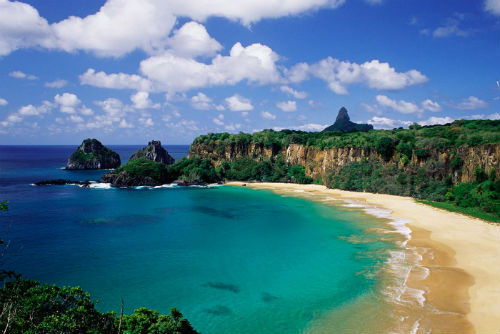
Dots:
{"x": 461, "y": 255}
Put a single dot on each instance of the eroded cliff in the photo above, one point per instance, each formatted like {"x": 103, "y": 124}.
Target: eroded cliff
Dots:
{"x": 460, "y": 163}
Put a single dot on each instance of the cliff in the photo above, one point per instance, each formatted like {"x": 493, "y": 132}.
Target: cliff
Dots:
{"x": 155, "y": 152}
{"x": 458, "y": 163}
{"x": 91, "y": 154}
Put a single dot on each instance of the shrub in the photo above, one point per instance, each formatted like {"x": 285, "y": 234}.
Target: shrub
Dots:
{"x": 456, "y": 162}
{"x": 385, "y": 147}
{"x": 421, "y": 153}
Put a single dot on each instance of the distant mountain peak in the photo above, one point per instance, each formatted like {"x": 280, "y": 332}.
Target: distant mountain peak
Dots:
{"x": 343, "y": 123}
{"x": 342, "y": 115}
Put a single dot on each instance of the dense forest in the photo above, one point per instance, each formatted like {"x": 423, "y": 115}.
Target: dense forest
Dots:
{"x": 458, "y": 133}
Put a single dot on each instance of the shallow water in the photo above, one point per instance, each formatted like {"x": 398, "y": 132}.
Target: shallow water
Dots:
{"x": 231, "y": 259}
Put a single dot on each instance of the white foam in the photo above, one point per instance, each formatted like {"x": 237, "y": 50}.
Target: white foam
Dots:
{"x": 298, "y": 190}
{"x": 168, "y": 185}
{"x": 96, "y": 185}
{"x": 420, "y": 272}
{"x": 331, "y": 199}
{"x": 415, "y": 327}
{"x": 416, "y": 294}
{"x": 354, "y": 205}
{"x": 378, "y": 212}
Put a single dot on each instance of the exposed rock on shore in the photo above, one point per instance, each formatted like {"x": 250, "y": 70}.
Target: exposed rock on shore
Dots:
{"x": 61, "y": 182}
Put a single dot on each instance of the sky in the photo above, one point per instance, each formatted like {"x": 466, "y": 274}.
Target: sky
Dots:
{"x": 128, "y": 71}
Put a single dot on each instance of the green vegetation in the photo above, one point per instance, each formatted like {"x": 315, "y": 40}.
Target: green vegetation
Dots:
{"x": 241, "y": 169}
{"x": 81, "y": 156}
{"x": 31, "y": 307}
{"x": 458, "y": 133}
{"x": 271, "y": 170}
{"x": 141, "y": 168}
{"x": 473, "y": 212}
{"x": 194, "y": 170}
{"x": 431, "y": 183}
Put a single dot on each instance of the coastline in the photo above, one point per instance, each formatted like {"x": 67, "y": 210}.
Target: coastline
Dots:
{"x": 460, "y": 254}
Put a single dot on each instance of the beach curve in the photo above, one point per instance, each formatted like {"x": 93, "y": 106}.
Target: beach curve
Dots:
{"x": 465, "y": 256}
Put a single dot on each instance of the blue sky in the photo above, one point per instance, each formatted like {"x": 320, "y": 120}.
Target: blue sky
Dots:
{"x": 128, "y": 71}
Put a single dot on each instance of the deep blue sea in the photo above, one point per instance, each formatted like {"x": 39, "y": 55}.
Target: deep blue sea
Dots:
{"x": 233, "y": 260}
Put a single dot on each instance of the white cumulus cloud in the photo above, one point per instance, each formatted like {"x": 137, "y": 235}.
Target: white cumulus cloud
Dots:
{"x": 437, "y": 120}
{"x": 59, "y": 83}
{"x": 339, "y": 74}
{"x": 431, "y": 105}
{"x": 115, "y": 80}
{"x": 492, "y": 6}
{"x": 141, "y": 100}
{"x": 255, "y": 63}
{"x": 201, "y": 102}
{"x": 287, "y": 106}
{"x": 239, "y": 103}
{"x": 296, "y": 94}
{"x": 193, "y": 40}
{"x": 470, "y": 103}
{"x": 267, "y": 115}
{"x": 303, "y": 127}
{"x": 22, "y": 75}
{"x": 387, "y": 123}
{"x": 3, "y": 102}
{"x": 67, "y": 102}
{"x": 401, "y": 106}
{"x": 122, "y": 26}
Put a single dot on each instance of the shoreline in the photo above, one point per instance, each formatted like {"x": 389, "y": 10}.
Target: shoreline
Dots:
{"x": 461, "y": 256}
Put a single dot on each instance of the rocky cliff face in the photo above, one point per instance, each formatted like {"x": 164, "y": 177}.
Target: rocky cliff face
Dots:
{"x": 320, "y": 162}
{"x": 91, "y": 154}
{"x": 155, "y": 152}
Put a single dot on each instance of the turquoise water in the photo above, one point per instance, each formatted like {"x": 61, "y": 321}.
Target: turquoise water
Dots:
{"x": 233, "y": 260}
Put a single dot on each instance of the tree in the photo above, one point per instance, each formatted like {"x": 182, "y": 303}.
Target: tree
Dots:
{"x": 385, "y": 147}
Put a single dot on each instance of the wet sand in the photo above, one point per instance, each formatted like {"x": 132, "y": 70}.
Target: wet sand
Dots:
{"x": 458, "y": 261}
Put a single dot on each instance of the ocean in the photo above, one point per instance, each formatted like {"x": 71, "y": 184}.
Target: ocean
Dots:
{"x": 231, "y": 259}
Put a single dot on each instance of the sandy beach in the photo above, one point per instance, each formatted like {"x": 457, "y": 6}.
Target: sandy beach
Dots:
{"x": 460, "y": 253}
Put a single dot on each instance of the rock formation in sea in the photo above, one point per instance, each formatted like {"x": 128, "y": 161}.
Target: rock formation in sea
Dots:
{"x": 155, "y": 152}
{"x": 91, "y": 154}
{"x": 343, "y": 123}
{"x": 62, "y": 182}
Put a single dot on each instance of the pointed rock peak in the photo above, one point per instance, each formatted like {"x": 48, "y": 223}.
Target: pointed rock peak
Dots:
{"x": 155, "y": 143}
{"x": 91, "y": 154}
{"x": 342, "y": 115}
{"x": 343, "y": 123}
{"x": 154, "y": 151}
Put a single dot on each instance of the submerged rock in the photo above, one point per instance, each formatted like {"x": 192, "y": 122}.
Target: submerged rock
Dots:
{"x": 343, "y": 123}
{"x": 155, "y": 152}
{"x": 91, "y": 154}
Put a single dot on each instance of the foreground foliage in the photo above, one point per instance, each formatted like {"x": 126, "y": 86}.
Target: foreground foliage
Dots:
{"x": 30, "y": 307}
